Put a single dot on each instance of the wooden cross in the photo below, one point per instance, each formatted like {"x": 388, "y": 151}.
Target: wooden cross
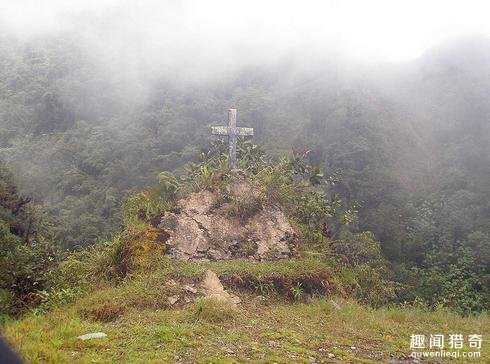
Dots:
{"x": 232, "y": 131}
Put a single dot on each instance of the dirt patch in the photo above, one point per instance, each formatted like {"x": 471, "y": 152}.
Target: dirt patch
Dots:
{"x": 106, "y": 313}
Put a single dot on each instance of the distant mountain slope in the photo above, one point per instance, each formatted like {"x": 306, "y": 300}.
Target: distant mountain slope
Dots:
{"x": 409, "y": 140}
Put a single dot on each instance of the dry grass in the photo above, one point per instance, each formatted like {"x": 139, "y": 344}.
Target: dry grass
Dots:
{"x": 106, "y": 312}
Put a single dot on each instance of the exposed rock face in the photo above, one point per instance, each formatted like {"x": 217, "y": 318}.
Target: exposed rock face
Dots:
{"x": 208, "y": 227}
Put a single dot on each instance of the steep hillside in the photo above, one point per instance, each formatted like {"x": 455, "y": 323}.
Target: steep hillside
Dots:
{"x": 223, "y": 266}
{"x": 80, "y": 140}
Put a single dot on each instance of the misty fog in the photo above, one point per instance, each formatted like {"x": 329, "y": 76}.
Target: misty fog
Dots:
{"x": 115, "y": 60}
{"x": 202, "y": 39}
{"x": 371, "y": 142}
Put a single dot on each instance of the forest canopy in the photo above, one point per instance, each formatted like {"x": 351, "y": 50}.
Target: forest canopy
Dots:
{"x": 409, "y": 146}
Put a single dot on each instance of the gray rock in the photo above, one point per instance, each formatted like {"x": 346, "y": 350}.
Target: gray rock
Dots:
{"x": 190, "y": 289}
{"x": 172, "y": 300}
{"x": 212, "y": 288}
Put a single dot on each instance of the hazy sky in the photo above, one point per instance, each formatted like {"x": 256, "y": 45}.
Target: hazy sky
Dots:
{"x": 379, "y": 30}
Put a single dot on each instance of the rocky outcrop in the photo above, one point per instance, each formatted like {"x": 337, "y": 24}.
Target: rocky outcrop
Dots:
{"x": 207, "y": 226}
{"x": 212, "y": 288}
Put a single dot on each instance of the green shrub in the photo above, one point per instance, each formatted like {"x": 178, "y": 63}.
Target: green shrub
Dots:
{"x": 450, "y": 279}
{"x": 149, "y": 205}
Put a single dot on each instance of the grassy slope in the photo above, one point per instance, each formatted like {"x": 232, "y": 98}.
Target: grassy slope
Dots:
{"x": 142, "y": 328}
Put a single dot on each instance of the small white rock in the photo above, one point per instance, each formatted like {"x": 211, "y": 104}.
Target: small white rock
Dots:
{"x": 92, "y": 335}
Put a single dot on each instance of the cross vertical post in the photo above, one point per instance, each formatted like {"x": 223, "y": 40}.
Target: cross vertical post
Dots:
{"x": 232, "y": 131}
{"x": 232, "y": 134}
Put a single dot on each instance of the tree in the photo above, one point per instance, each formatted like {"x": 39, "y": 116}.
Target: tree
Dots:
{"x": 25, "y": 256}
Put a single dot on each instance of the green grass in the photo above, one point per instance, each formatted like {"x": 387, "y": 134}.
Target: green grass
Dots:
{"x": 258, "y": 330}
{"x": 141, "y": 327}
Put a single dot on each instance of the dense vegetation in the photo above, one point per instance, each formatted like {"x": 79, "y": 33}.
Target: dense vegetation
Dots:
{"x": 305, "y": 306}
{"x": 409, "y": 147}
{"x": 26, "y": 257}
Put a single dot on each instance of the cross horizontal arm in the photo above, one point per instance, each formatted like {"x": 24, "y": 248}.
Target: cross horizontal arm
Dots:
{"x": 244, "y": 131}
{"x": 224, "y": 130}
{"x": 219, "y": 130}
